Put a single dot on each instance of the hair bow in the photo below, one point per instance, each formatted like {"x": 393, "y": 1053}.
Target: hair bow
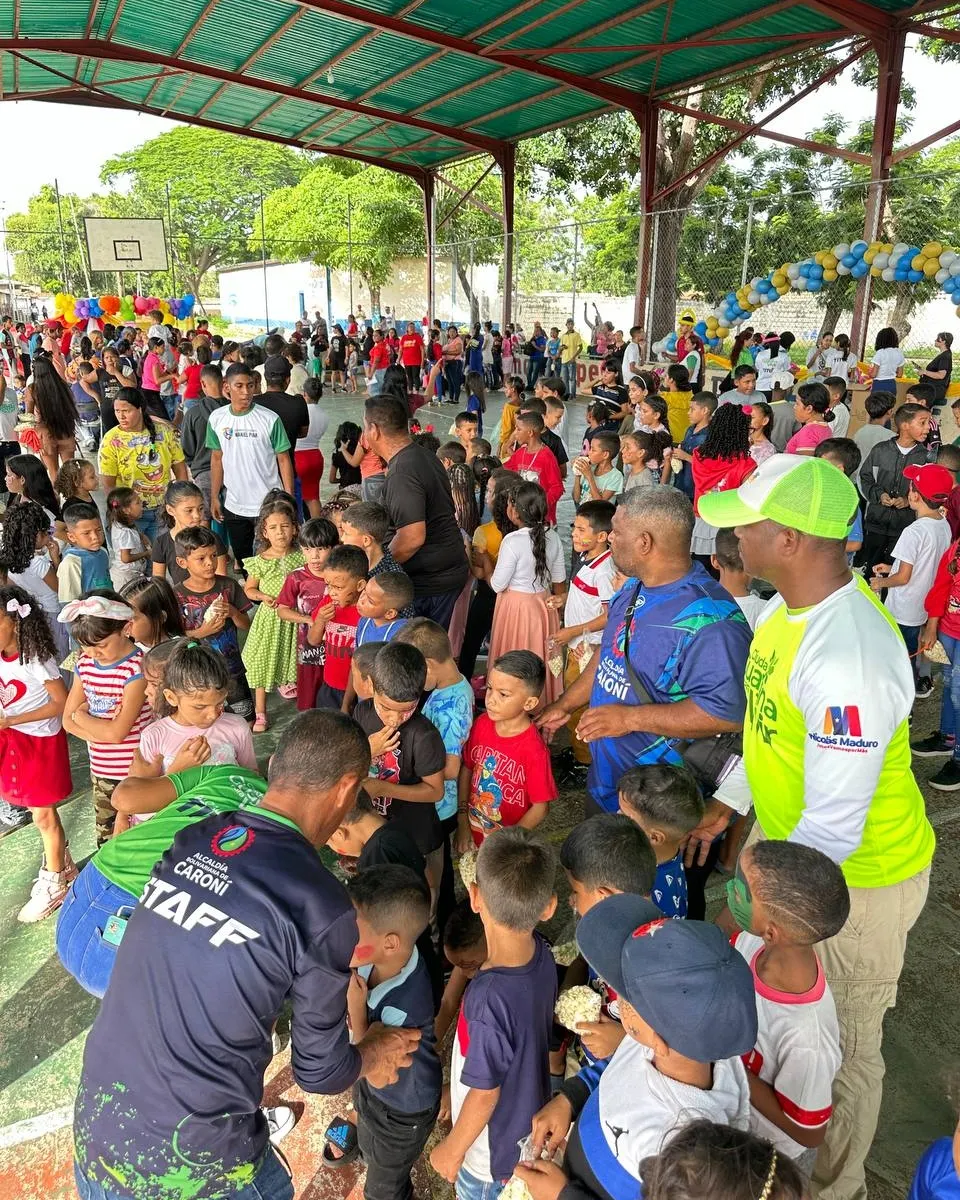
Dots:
{"x": 95, "y": 606}
{"x": 22, "y": 610}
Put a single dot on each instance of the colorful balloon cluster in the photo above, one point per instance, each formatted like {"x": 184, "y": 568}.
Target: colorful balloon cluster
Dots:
{"x": 127, "y": 308}
{"x": 893, "y": 262}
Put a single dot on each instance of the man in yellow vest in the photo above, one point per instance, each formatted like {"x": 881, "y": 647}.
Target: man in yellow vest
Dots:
{"x": 826, "y": 749}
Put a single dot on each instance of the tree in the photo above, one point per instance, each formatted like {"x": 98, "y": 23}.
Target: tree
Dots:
{"x": 215, "y": 181}
{"x": 33, "y": 238}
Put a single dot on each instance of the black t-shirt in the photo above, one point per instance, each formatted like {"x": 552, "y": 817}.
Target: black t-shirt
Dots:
{"x": 292, "y": 411}
{"x": 943, "y": 362}
{"x": 338, "y": 347}
{"x": 109, "y": 386}
{"x": 347, "y": 474}
{"x": 165, "y": 552}
{"x": 555, "y": 445}
{"x": 418, "y": 491}
{"x": 420, "y": 753}
{"x": 617, "y": 394}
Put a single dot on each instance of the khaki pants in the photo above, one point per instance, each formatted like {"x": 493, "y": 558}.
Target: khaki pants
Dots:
{"x": 862, "y": 964}
{"x": 571, "y": 673}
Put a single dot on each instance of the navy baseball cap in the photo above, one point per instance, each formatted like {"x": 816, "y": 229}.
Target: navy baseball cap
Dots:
{"x": 683, "y": 977}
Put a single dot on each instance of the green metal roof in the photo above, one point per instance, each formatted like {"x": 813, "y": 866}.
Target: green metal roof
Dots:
{"x": 408, "y": 85}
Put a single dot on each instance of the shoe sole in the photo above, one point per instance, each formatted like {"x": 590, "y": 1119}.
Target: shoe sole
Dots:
{"x": 51, "y": 909}
{"x": 931, "y": 753}
{"x": 6, "y": 830}
{"x": 923, "y": 695}
{"x": 944, "y": 787}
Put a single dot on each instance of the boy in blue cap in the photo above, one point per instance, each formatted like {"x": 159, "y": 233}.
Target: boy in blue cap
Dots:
{"x": 687, "y": 1003}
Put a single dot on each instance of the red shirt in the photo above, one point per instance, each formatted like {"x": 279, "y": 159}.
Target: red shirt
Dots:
{"x": 379, "y": 356}
{"x": 411, "y": 350}
{"x": 718, "y": 475}
{"x": 943, "y": 599}
{"x": 509, "y": 775}
{"x": 339, "y": 639}
{"x": 191, "y": 389}
{"x": 542, "y": 464}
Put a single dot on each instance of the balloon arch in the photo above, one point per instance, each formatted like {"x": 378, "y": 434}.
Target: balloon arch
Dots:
{"x": 121, "y": 308}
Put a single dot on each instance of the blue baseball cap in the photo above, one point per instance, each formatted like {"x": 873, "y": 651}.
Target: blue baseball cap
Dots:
{"x": 683, "y": 977}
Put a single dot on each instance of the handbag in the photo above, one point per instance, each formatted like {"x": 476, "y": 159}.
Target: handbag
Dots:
{"x": 708, "y": 759}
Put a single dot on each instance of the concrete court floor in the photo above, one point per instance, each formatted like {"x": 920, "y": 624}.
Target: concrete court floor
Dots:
{"x": 44, "y": 1015}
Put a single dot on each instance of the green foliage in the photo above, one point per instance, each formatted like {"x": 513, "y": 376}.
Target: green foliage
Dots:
{"x": 33, "y": 239}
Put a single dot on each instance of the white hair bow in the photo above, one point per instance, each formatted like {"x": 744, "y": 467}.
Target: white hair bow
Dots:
{"x": 95, "y": 606}
{"x": 22, "y": 610}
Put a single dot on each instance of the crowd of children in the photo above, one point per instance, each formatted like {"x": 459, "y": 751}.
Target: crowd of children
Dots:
{"x": 692, "y": 1042}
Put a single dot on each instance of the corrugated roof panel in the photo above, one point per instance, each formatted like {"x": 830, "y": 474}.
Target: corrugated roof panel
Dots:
{"x": 196, "y": 95}
{"x": 291, "y": 116}
{"x": 561, "y": 25}
{"x": 521, "y": 122}
{"x": 142, "y": 22}
{"x": 435, "y": 81}
{"x": 40, "y": 18}
{"x": 375, "y": 63}
{"x": 249, "y": 26}
{"x": 470, "y": 108}
{"x": 237, "y": 105}
{"x": 462, "y": 20}
{"x": 303, "y": 50}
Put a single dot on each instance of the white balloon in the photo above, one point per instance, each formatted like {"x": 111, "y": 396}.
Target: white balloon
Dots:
{"x": 768, "y": 297}
{"x": 954, "y": 267}
{"x": 893, "y": 261}
{"x": 793, "y": 271}
{"x": 800, "y": 283}
{"x": 947, "y": 258}
{"x": 842, "y": 270}
{"x": 754, "y": 282}
{"x": 900, "y": 247}
{"x": 657, "y": 347}
{"x": 753, "y": 298}
{"x": 881, "y": 260}
{"x": 841, "y": 249}
{"x": 942, "y": 274}
{"x": 888, "y": 275}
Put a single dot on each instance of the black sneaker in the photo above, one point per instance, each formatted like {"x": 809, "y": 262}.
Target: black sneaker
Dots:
{"x": 947, "y": 779}
{"x": 937, "y": 745}
{"x": 924, "y": 688}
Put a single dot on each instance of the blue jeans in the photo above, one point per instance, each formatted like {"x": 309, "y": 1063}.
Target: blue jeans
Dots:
{"x": 568, "y": 372}
{"x": 170, "y": 403}
{"x": 375, "y": 384}
{"x": 453, "y": 370}
{"x": 149, "y": 522}
{"x": 469, "y": 1187}
{"x": 534, "y": 371}
{"x": 272, "y": 1182}
{"x": 950, "y": 705}
{"x": 91, "y": 900}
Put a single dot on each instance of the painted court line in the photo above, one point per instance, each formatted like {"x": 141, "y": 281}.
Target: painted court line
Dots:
{"x": 35, "y": 1127}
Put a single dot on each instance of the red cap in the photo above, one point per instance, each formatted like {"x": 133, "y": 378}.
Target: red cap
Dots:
{"x": 934, "y": 483}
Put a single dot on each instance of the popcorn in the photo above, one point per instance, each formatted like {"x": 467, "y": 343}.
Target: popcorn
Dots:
{"x": 516, "y": 1189}
{"x": 468, "y": 867}
{"x": 565, "y": 952}
{"x": 577, "y": 1004}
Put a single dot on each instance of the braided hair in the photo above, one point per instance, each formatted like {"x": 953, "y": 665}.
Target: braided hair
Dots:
{"x": 530, "y": 505}
{"x": 464, "y": 489}
{"x": 728, "y": 434}
{"x": 135, "y": 398}
{"x": 34, "y": 640}
{"x": 22, "y": 526}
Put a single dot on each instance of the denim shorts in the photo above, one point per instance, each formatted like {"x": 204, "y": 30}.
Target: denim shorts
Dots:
{"x": 469, "y": 1187}
{"x": 92, "y": 898}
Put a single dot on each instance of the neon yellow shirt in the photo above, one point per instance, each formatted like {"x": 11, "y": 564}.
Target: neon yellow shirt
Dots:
{"x": 570, "y": 346}
{"x": 826, "y": 740}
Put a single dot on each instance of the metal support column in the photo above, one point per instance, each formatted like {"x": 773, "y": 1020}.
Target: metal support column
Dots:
{"x": 263, "y": 264}
{"x": 63, "y": 240}
{"x": 350, "y": 253}
{"x": 173, "y": 267}
{"x": 647, "y": 117}
{"x": 508, "y": 179}
{"x": 428, "y": 184}
{"x": 889, "y": 50}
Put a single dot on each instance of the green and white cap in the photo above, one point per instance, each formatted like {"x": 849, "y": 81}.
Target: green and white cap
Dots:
{"x": 809, "y": 494}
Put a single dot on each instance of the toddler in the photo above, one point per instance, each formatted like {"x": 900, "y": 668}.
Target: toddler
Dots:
{"x": 129, "y": 548}
{"x": 303, "y": 592}
{"x": 334, "y": 624}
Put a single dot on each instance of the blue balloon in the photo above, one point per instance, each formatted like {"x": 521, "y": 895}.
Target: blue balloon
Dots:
{"x": 859, "y": 249}
{"x": 814, "y": 285}
{"x": 901, "y": 275}
{"x": 804, "y": 269}
{"x": 849, "y": 260}
{"x": 700, "y": 328}
{"x": 914, "y": 276}
{"x": 670, "y": 341}
{"x": 816, "y": 272}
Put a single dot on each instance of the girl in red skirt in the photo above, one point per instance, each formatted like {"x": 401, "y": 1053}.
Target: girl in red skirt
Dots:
{"x": 34, "y": 759}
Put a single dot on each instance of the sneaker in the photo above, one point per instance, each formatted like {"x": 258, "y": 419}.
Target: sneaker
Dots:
{"x": 947, "y": 779}
{"x": 47, "y": 894}
{"x": 280, "y": 1121}
{"x": 12, "y": 818}
{"x": 70, "y": 868}
{"x": 937, "y": 745}
{"x": 924, "y": 688}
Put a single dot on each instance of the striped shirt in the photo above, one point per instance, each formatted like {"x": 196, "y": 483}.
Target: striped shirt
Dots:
{"x": 103, "y": 689}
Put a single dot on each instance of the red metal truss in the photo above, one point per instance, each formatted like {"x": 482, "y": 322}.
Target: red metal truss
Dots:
{"x": 695, "y": 43}
{"x": 943, "y": 35}
{"x": 906, "y": 151}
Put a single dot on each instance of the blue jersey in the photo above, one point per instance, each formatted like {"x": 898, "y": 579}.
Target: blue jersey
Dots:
{"x": 450, "y": 710}
{"x": 936, "y": 1176}
{"x": 669, "y": 891}
{"x": 369, "y": 631}
{"x": 688, "y": 640}
{"x": 237, "y": 915}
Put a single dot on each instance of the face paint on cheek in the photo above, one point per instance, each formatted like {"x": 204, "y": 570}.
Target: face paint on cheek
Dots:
{"x": 362, "y": 952}
{"x": 740, "y": 901}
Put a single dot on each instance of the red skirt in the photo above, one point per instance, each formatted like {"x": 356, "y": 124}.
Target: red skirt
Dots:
{"x": 34, "y": 771}
{"x": 309, "y": 465}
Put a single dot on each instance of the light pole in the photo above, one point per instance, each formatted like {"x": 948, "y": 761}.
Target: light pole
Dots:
{"x": 6, "y": 251}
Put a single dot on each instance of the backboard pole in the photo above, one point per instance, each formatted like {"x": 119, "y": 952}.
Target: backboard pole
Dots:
{"x": 263, "y": 260}
{"x": 173, "y": 269}
{"x": 63, "y": 241}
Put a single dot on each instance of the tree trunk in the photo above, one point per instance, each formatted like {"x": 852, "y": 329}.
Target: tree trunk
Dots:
{"x": 464, "y": 278}
{"x": 902, "y": 310}
{"x": 663, "y": 285}
{"x": 832, "y": 309}
{"x": 374, "y": 297}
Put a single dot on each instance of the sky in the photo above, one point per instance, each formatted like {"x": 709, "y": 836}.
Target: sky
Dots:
{"x": 76, "y": 160}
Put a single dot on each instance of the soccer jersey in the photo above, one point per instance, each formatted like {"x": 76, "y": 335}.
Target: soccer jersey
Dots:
{"x": 103, "y": 689}
{"x": 369, "y": 631}
{"x": 590, "y": 589}
{"x": 450, "y": 711}
{"x": 826, "y": 742}
{"x": 23, "y": 690}
{"x": 797, "y": 1051}
{"x": 339, "y": 640}
{"x": 305, "y": 592}
{"x": 508, "y": 776}
{"x": 502, "y": 1041}
{"x": 250, "y": 443}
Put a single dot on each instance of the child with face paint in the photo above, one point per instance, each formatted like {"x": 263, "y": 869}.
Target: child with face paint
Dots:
{"x": 391, "y": 983}
{"x": 787, "y": 897}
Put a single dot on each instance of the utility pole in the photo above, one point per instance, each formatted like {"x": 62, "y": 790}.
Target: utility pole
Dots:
{"x": 63, "y": 241}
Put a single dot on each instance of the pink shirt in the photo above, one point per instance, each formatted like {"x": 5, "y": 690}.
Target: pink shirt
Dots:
{"x": 229, "y": 737}
{"x": 152, "y": 366}
{"x": 808, "y": 438}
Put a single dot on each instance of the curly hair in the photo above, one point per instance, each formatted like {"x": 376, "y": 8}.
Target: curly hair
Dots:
{"x": 22, "y": 525}
{"x": 271, "y": 508}
{"x": 657, "y": 404}
{"x": 728, "y": 434}
{"x": 530, "y": 505}
{"x": 54, "y": 401}
{"x": 347, "y": 435}
{"x": 68, "y": 478}
{"x": 34, "y": 639}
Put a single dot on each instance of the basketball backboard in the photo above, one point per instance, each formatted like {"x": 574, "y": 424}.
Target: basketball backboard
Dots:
{"x": 126, "y": 244}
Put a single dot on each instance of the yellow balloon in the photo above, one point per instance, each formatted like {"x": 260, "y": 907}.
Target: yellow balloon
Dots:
{"x": 819, "y": 257}
{"x": 783, "y": 291}
{"x": 932, "y": 250}
{"x": 829, "y": 274}
{"x": 931, "y": 267}
{"x": 870, "y": 255}
{"x": 722, "y": 331}
{"x": 830, "y": 262}
{"x": 917, "y": 262}
{"x": 888, "y": 247}
{"x": 876, "y": 272}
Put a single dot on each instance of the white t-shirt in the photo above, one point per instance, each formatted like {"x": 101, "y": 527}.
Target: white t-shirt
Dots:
{"x": 590, "y": 589}
{"x": 316, "y": 430}
{"x": 123, "y": 537}
{"x": 631, "y": 356}
{"x": 769, "y": 368}
{"x": 638, "y": 1108}
{"x": 8, "y": 414}
{"x": 797, "y": 1051}
{"x": 298, "y": 377}
{"x": 751, "y": 606}
{"x": 887, "y": 362}
{"x": 487, "y": 350}
{"x": 515, "y": 567}
{"x": 22, "y": 691}
{"x": 921, "y": 544}
{"x": 33, "y": 580}
{"x": 841, "y": 421}
{"x": 250, "y": 443}
{"x": 840, "y": 365}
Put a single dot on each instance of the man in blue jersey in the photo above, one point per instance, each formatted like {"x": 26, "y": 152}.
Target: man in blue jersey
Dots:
{"x": 238, "y": 914}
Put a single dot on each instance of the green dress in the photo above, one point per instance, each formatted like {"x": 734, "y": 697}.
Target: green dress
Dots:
{"x": 270, "y": 652}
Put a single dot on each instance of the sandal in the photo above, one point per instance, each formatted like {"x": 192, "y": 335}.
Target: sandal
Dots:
{"x": 342, "y": 1134}
{"x": 260, "y": 724}
{"x": 288, "y": 691}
